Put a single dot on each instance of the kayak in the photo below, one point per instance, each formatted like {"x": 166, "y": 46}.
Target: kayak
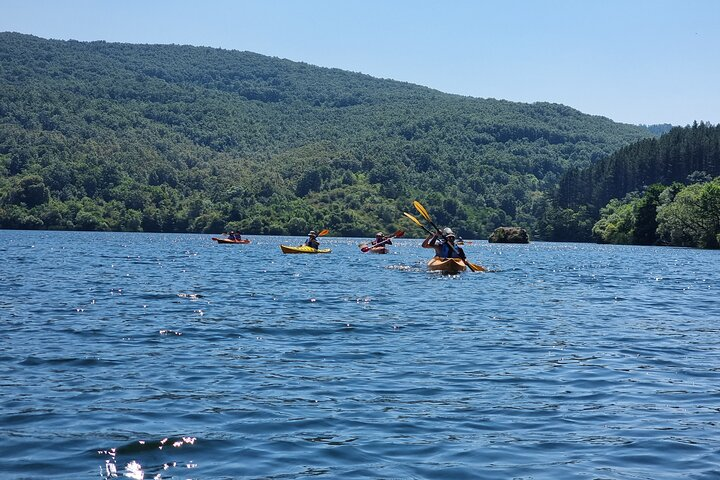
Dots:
{"x": 447, "y": 265}
{"x": 227, "y": 240}
{"x": 303, "y": 249}
{"x": 365, "y": 248}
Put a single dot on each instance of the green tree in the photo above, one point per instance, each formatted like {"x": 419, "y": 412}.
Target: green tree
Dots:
{"x": 692, "y": 218}
{"x": 617, "y": 222}
{"x": 29, "y": 190}
{"x": 645, "y": 209}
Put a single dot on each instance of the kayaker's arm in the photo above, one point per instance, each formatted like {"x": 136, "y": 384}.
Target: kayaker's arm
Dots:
{"x": 429, "y": 242}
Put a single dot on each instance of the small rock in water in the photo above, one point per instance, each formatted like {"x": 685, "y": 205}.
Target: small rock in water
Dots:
{"x": 509, "y": 235}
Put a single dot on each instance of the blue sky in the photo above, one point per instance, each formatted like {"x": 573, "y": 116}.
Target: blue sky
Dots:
{"x": 634, "y": 61}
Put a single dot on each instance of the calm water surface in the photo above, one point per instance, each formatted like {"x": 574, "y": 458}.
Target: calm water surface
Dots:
{"x": 171, "y": 357}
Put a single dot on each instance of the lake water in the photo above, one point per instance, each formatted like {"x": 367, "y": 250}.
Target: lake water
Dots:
{"x": 171, "y": 357}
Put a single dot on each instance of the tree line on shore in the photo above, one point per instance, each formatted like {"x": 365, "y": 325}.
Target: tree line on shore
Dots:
{"x": 661, "y": 191}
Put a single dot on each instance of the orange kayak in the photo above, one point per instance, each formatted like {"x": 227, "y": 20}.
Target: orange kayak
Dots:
{"x": 447, "y": 265}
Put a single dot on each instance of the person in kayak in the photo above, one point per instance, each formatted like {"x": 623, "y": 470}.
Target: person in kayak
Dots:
{"x": 444, "y": 244}
{"x": 381, "y": 240}
{"x": 378, "y": 245}
{"x": 234, "y": 235}
{"x": 312, "y": 240}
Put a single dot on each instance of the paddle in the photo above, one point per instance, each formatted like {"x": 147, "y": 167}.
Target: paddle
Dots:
{"x": 364, "y": 247}
{"x": 426, "y": 216}
{"x": 419, "y": 207}
{"x": 414, "y": 219}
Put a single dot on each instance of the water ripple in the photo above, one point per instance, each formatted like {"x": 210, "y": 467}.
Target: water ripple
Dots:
{"x": 169, "y": 356}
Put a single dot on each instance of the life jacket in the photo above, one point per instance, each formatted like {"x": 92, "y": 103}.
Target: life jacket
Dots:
{"x": 446, "y": 251}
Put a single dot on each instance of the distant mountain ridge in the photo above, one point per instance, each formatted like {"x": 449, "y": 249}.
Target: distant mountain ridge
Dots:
{"x": 659, "y": 128}
{"x": 180, "y": 138}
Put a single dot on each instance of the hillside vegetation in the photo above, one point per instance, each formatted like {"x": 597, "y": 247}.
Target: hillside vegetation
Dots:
{"x": 106, "y": 136}
{"x": 655, "y": 191}
{"x": 670, "y": 158}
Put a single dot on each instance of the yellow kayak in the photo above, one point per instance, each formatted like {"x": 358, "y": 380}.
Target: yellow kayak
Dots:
{"x": 303, "y": 249}
{"x": 447, "y": 265}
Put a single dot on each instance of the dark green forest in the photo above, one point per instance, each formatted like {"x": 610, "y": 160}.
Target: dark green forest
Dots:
{"x": 655, "y": 191}
{"x": 171, "y": 138}
{"x": 670, "y": 158}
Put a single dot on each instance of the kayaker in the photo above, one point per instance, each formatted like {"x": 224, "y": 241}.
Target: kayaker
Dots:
{"x": 443, "y": 244}
{"x": 381, "y": 239}
{"x": 312, "y": 240}
{"x": 234, "y": 235}
{"x": 379, "y": 244}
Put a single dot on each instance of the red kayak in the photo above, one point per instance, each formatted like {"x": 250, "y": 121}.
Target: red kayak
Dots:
{"x": 379, "y": 246}
{"x": 227, "y": 240}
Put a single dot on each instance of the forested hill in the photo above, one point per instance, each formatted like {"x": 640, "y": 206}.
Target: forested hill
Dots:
{"x": 178, "y": 138}
{"x": 674, "y": 157}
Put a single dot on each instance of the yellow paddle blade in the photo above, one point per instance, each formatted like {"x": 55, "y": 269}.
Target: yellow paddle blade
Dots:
{"x": 323, "y": 232}
{"x": 476, "y": 268}
{"x": 422, "y": 210}
{"x": 412, "y": 217}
